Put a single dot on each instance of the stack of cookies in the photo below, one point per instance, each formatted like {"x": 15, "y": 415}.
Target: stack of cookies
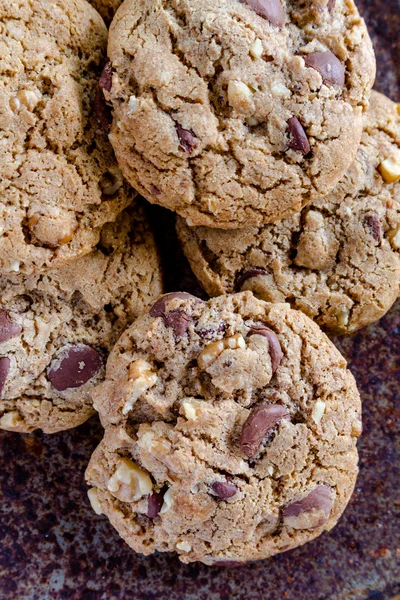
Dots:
{"x": 230, "y": 425}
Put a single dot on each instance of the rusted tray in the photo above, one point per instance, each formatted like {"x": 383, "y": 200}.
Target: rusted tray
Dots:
{"x": 52, "y": 546}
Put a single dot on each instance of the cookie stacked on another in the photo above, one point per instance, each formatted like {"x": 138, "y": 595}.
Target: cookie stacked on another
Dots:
{"x": 231, "y": 429}
{"x": 57, "y": 328}
{"x": 74, "y": 269}
{"x": 236, "y": 113}
{"x": 339, "y": 259}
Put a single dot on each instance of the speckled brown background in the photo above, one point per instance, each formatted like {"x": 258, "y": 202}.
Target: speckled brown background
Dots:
{"x": 52, "y": 546}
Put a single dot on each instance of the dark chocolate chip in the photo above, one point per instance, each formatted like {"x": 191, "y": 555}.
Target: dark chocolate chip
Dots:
{"x": 298, "y": 139}
{"x": 272, "y": 10}
{"x": 187, "y": 139}
{"x": 105, "y": 82}
{"x": 74, "y": 366}
{"x": 4, "y": 369}
{"x": 321, "y": 499}
{"x": 275, "y": 349}
{"x": 102, "y": 111}
{"x": 248, "y": 275}
{"x": 224, "y": 489}
{"x": 259, "y": 424}
{"x": 175, "y": 319}
{"x": 155, "y": 191}
{"x": 159, "y": 308}
{"x": 8, "y": 327}
{"x": 328, "y": 65}
{"x": 178, "y": 321}
{"x": 372, "y": 221}
{"x": 154, "y": 504}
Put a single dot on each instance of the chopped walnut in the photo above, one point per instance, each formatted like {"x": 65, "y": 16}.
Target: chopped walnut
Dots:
{"x": 214, "y": 350}
{"x": 142, "y": 378}
{"x": 239, "y": 94}
{"x": 390, "y": 169}
{"x": 94, "y": 500}
{"x": 129, "y": 483}
{"x": 25, "y": 98}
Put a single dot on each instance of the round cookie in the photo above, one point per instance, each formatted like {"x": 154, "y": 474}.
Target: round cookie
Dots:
{"x": 236, "y": 113}
{"x": 106, "y": 8}
{"x": 60, "y": 181}
{"x": 231, "y": 430}
{"x": 57, "y": 329}
{"x": 339, "y": 260}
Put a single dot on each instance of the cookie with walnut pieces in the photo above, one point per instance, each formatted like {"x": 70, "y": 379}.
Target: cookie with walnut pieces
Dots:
{"x": 231, "y": 429}
{"x": 339, "y": 260}
{"x": 236, "y": 113}
{"x": 57, "y": 328}
{"x": 60, "y": 182}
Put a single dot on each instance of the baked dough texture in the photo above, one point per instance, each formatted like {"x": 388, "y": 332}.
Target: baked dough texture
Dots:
{"x": 231, "y": 430}
{"x": 339, "y": 259}
{"x": 59, "y": 178}
{"x": 232, "y": 115}
{"x": 57, "y": 328}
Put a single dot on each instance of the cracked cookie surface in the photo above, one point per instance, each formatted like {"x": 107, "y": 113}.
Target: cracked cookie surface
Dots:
{"x": 60, "y": 182}
{"x": 57, "y": 329}
{"x": 339, "y": 260}
{"x": 230, "y": 116}
{"x": 231, "y": 430}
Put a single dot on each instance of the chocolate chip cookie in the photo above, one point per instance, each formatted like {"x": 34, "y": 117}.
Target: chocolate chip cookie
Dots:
{"x": 59, "y": 178}
{"x": 56, "y": 329}
{"x": 237, "y": 113}
{"x": 339, "y": 260}
{"x": 231, "y": 430}
{"x": 106, "y": 8}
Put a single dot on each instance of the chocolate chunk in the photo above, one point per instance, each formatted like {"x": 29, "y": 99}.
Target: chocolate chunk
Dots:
{"x": 259, "y": 424}
{"x": 154, "y": 504}
{"x": 373, "y": 223}
{"x": 187, "y": 139}
{"x": 105, "y": 82}
{"x": 178, "y": 321}
{"x": 275, "y": 349}
{"x": 328, "y": 65}
{"x": 224, "y": 489}
{"x": 74, "y": 366}
{"x": 298, "y": 139}
{"x": 102, "y": 111}
{"x": 175, "y": 319}
{"x": 248, "y": 275}
{"x": 8, "y": 327}
{"x": 155, "y": 191}
{"x": 159, "y": 308}
{"x": 4, "y": 369}
{"x": 272, "y": 10}
{"x": 320, "y": 500}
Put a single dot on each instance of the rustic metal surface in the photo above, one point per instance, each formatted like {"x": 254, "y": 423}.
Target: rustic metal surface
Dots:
{"x": 52, "y": 546}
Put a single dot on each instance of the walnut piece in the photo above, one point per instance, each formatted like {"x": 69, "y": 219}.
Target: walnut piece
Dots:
{"x": 129, "y": 483}
{"x": 142, "y": 378}
{"x": 214, "y": 350}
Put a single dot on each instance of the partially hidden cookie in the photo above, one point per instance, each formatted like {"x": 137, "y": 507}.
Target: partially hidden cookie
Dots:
{"x": 56, "y": 329}
{"x": 106, "y": 8}
{"x": 237, "y": 113}
{"x": 231, "y": 430}
{"x": 339, "y": 259}
{"x": 60, "y": 182}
